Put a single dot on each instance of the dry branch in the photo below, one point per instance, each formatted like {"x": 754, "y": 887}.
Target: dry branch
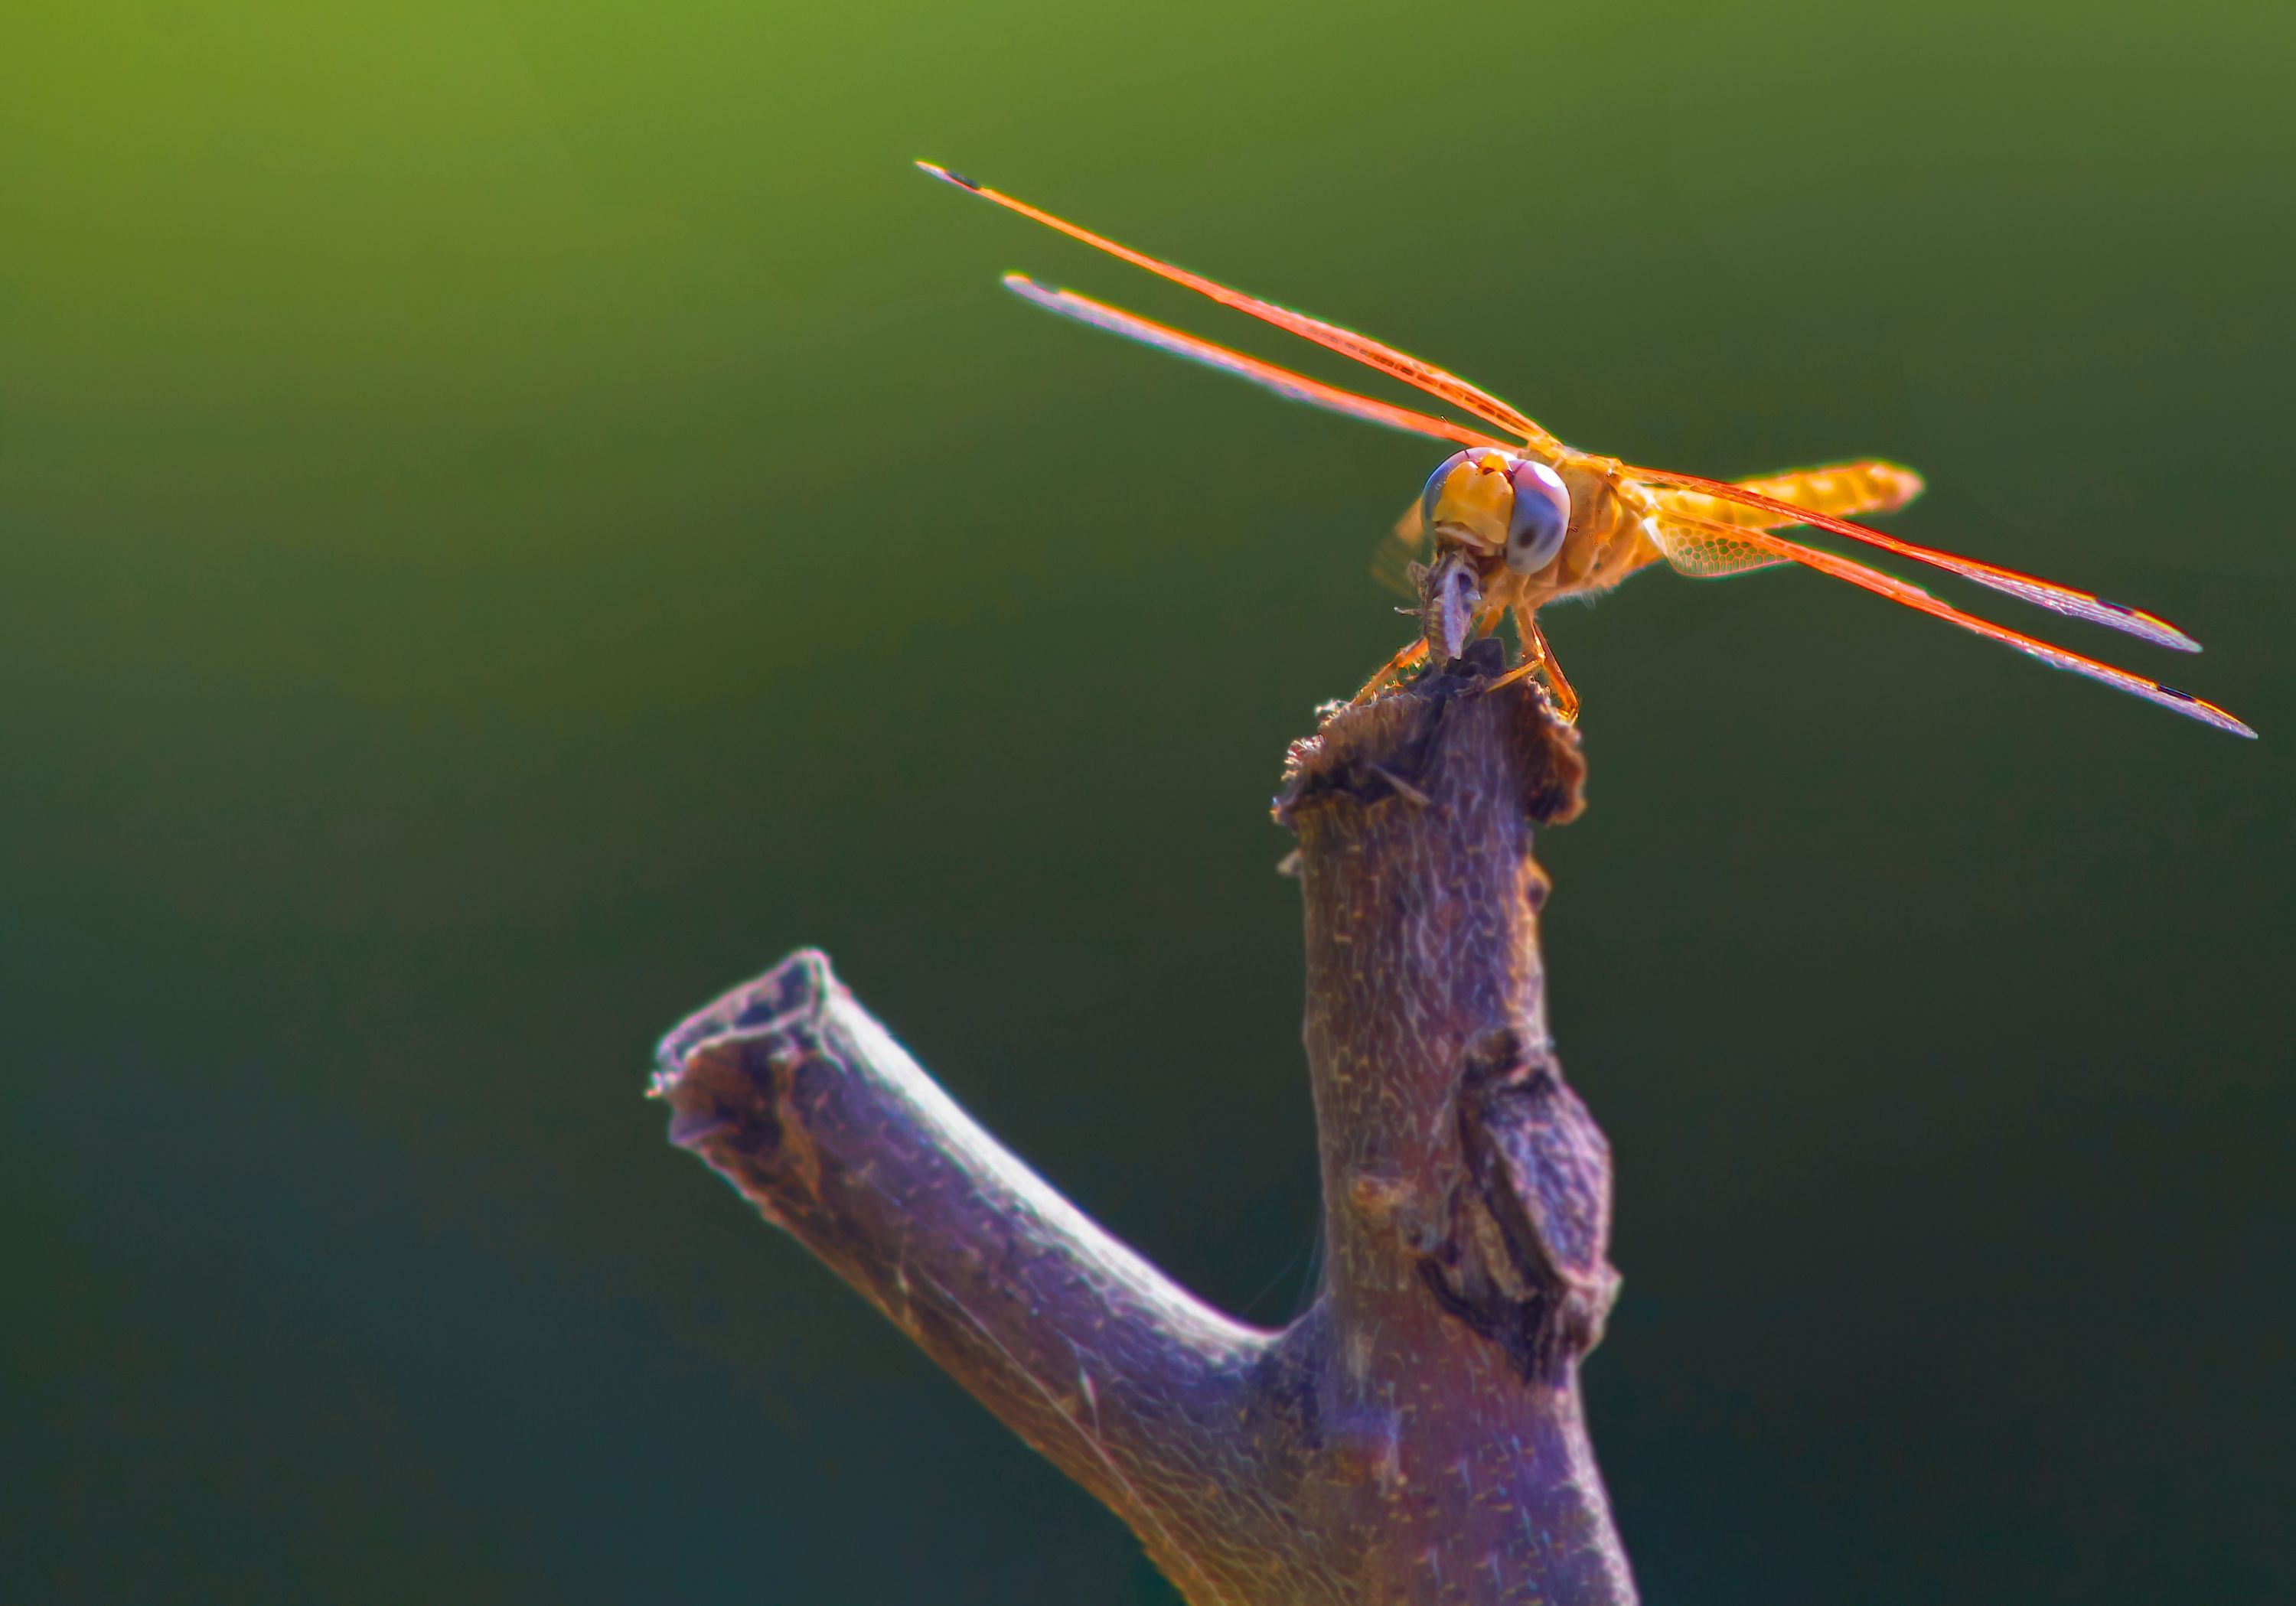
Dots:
{"x": 1417, "y": 1437}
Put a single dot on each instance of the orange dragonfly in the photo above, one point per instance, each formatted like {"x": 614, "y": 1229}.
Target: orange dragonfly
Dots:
{"x": 1530, "y": 520}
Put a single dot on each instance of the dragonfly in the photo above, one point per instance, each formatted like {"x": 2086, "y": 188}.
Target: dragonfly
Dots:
{"x": 1527, "y": 520}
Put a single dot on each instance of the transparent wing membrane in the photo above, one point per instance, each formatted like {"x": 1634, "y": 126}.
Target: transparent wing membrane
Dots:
{"x": 1709, "y": 550}
{"x": 1391, "y": 559}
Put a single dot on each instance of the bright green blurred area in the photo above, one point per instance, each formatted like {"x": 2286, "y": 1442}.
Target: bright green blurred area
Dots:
{"x": 513, "y": 516}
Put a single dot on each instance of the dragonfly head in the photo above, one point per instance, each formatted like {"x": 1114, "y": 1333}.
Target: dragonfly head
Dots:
{"x": 1495, "y": 503}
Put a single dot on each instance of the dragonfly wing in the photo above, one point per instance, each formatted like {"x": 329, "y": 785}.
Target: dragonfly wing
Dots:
{"x": 1421, "y": 376}
{"x": 1913, "y": 596}
{"x": 1294, "y": 386}
{"x": 1843, "y": 489}
{"x": 1710, "y": 549}
{"x": 1392, "y": 560}
{"x": 2066, "y": 600}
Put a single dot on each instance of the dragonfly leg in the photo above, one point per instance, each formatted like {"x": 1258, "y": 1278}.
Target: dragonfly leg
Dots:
{"x": 1566, "y": 701}
{"x": 1389, "y": 670}
{"x": 1538, "y": 659}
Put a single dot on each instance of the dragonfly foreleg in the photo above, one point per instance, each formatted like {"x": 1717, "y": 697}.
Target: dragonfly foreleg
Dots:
{"x": 1538, "y": 659}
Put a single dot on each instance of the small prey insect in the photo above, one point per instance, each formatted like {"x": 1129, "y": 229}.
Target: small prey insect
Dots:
{"x": 1532, "y": 521}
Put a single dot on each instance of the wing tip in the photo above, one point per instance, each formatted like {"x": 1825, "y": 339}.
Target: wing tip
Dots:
{"x": 1039, "y": 295}
{"x": 947, "y": 175}
{"x": 2207, "y": 712}
{"x": 2152, "y": 627}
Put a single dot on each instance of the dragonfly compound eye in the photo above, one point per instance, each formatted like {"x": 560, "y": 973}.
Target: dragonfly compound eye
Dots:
{"x": 1429, "y": 497}
{"x": 1540, "y": 518}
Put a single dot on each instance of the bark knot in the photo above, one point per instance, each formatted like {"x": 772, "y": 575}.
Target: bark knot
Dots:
{"x": 1524, "y": 1260}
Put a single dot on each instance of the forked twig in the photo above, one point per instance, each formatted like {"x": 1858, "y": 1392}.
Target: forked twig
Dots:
{"x": 1416, "y": 1436}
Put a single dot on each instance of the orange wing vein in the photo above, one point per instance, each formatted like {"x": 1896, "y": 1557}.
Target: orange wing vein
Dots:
{"x": 1422, "y": 376}
{"x": 2031, "y": 588}
{"x": 1672, "y": 531}
{"x": 1294, "y": 386}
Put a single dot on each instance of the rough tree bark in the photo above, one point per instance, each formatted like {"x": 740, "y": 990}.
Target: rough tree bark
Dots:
{"x": 1417, "y": 1437}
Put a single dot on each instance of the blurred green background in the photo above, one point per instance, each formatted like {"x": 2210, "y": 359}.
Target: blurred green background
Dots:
{"x": 514, "y": 515}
